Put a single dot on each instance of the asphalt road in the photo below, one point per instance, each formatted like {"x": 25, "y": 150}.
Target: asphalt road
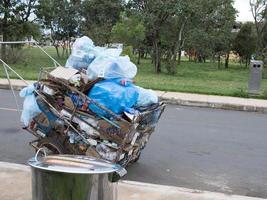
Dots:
{"x": 198, "y": 148}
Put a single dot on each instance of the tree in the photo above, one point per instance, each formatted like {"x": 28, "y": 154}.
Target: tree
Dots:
{"x": 130, "y": 31}
{"x": 211, "y": 32}
{"x": 176, "y": 31}
{"x": 62, "y": 18}
{"x": 259, "y": 12}
{"x": 245, "y": 42}
{"x": 154, "y": 14}
{"x": 99, "y": 18}
{"x": 15, "y": 21}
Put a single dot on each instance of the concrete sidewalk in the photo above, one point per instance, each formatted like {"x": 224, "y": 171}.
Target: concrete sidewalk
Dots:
{"x": 15, "y": 183}
{"x": 187, "y": 99}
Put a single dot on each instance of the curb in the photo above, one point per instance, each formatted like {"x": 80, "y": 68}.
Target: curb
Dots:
{"x": 187, "y": 99}
{"x": 6, "y": 87}
{"x": 14, "y": 166}
{"x": 223, "y": 106}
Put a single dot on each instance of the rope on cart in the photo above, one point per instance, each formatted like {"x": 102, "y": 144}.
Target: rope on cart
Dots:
{"x": 11, "y": 87}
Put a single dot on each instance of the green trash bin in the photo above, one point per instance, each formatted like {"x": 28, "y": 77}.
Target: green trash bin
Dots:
{"x": 70, "y": 177}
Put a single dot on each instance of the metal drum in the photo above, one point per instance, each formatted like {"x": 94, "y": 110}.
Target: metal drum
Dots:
{"x": 69, "y": 177}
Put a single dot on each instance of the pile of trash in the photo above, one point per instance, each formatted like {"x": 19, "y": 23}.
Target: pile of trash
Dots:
{"x": 91, "y": 106}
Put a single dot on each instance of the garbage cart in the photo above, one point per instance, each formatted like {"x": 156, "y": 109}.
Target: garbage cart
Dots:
{"x": 67, "y": 125}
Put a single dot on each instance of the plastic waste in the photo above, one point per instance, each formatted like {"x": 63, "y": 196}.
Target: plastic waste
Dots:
{"x": 112, "y": 52}
{"x": 110, "y": 67}
{"x": 88, "y": 129}
{"x": 115, "y": 94}
{"x": 83, "y": 126}
{"x": 84, "y": 52}
{"x": 79, "y": 60}
{"x": 30, "y": 106}
{"x": 76, "y": 80}
{"x": 146, "y": 97}
{"x": 106, "y": 152}
{"x": 79, "y": 102}
{"x": 84, "y": 44}
{"x": 74, "y": 137}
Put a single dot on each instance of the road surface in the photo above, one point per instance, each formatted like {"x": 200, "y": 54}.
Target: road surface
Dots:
{"x": 198, "y": 148}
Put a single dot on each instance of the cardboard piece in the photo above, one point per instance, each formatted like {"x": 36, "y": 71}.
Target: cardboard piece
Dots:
{"x": 63, "y": 73}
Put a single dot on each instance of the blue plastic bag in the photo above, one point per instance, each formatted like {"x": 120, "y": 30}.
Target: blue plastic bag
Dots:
{"x": 117, "y": 95}
{"x": 30, "y": 106}
{"x": 79, "y": 60}
{"x": 146, "y": 97}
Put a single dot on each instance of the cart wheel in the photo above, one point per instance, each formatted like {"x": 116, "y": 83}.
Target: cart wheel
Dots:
{"x": 51, "y": 146}
{"x": 137, "y": 158}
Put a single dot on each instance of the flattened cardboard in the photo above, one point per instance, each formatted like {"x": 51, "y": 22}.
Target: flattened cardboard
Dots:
{"x": 63, "y": 73}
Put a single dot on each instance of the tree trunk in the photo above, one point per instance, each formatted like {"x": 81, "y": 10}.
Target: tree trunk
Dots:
{"x": 227, "y": 60}
{"x": 156, "y": 52}
{"x": 69, "y": 45}
{"x": 139, "y": 57}
{"x": 3, "y": 48}
{"x": 199, "y": 58}
{"x": 219, "y": 61}
{"x": 181, "y": 41}
{"x": 145, "y": 55}
{"x": 4, "y": 31}
{"x": 189, "y": 58}
{"x": 247, "y": 61}
{"x": 213, "y": 58}
{"x": 179, "y": 56}
{"x": 63, "y": 52}
{"x": 57, "y": 51}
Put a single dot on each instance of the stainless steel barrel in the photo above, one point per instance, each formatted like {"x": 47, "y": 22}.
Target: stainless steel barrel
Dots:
{"x": 66, "y": 177}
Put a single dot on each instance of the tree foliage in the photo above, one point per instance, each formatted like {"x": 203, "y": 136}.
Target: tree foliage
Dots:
{"x": 162, "y": 29}
{"x": 245, "y": 42}
{"x": 202, "y": 26}
{"x": 130, "y": 31}
{"x": 99, "y": 18}
{"x": 259, "y": 12}
{"x": 62, "y": 19}
{"x": 154, "y": 13}
{"x": 15, "y": 21}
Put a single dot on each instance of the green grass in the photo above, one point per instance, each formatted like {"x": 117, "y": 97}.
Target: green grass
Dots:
{"x": 32, "y": 61}
{"x": 203, "y": 78}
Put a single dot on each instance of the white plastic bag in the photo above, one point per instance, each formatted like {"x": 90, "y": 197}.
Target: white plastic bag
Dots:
{"x": 30, "y": 106}
{"x": 82, "y": 53}
{"x": 112, "y": 52}
{"x": 109, "y": 67}
{"x": 146, "y": 97}
{"x": 83, "y": 44}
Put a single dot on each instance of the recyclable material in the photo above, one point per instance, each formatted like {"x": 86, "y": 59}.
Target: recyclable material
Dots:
{"x": 91, "y": 106}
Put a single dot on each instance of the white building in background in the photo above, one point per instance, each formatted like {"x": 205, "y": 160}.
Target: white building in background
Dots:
{"x": 115, "y": 45}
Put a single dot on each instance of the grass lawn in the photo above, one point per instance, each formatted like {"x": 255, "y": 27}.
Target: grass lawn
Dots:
{"x": 204, "y": 78}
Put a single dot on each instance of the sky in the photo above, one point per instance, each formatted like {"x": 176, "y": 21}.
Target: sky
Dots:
{"x": 244, "y": 10}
